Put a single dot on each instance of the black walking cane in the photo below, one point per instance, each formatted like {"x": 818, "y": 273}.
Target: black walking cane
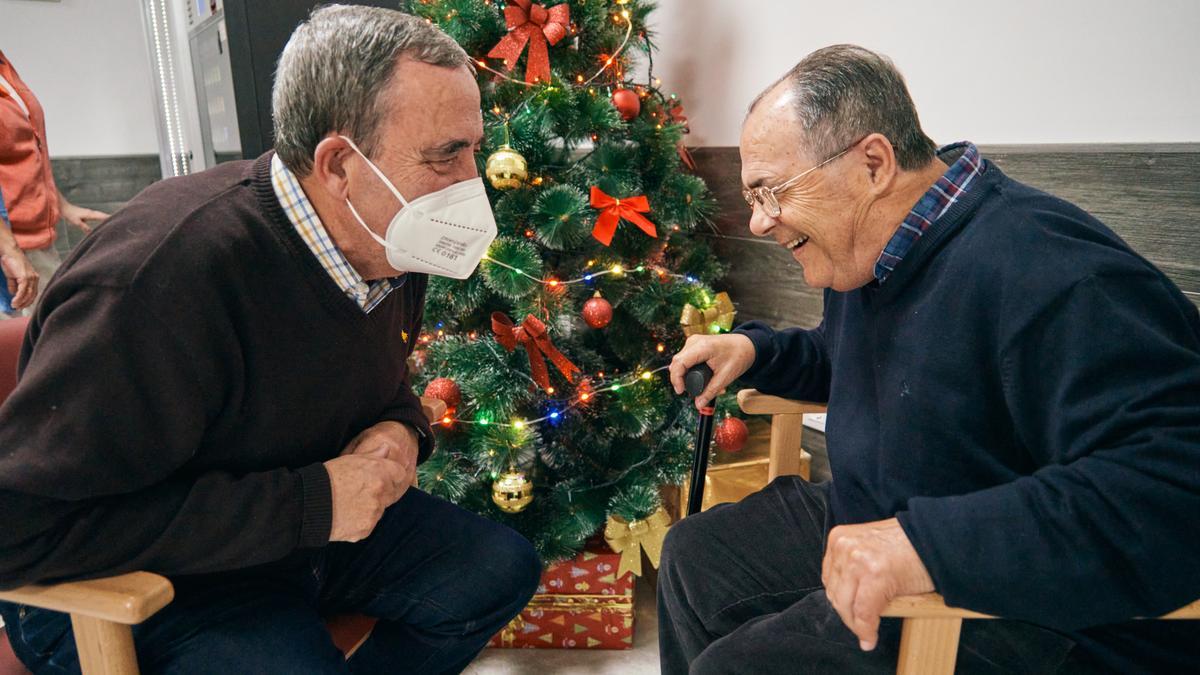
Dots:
{"x": 695, "y": 381}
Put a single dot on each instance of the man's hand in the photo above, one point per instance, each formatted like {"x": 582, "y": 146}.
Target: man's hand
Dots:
{"x": 80, "y": 217}
{"x": 865, "y": 566}
{"x": 21, "y": 277}
{"x": 373, "y": 472}
{"x": 363, "y": 486}
{"x": 728, "y": 355}
{"x": 400, "y": 441}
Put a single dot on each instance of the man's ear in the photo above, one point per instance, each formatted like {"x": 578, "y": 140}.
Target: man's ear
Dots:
{"x": 330, "y": 165}
{"x": 880, "y": 161}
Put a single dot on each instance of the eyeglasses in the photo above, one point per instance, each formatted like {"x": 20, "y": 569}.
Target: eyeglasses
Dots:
{"x": 765, "y": 196}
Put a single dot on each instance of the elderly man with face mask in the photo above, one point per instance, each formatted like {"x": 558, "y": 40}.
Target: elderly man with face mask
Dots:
{"x": 1014, "y": 412}
{"x": 214, "y": 387}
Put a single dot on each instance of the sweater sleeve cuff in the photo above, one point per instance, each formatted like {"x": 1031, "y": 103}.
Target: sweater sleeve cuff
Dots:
{"x": 416, "y": 420}
{"x": 924, "y": 531}
{"x": 760, "y": 335}
{"x": 316, "y": 520}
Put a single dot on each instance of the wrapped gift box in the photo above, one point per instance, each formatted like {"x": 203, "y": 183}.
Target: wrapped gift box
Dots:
{"x": 580, "y": 604}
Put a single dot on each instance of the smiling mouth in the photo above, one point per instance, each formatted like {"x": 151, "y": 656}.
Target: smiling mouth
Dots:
{"x": 795, "y": 243}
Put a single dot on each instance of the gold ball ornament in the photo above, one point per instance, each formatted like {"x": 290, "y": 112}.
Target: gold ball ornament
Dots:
{"x": 506, "y": 169}
{"x": 512, "y": 492}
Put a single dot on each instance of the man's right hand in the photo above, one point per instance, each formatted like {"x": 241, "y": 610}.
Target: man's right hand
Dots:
{"x": 22, "y": 279}
{"x": 363, "y": 485}
{"x": 728, "y": 355}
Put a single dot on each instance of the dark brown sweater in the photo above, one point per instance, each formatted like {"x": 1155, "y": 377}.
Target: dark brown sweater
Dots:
{"x": 188, "y": 370}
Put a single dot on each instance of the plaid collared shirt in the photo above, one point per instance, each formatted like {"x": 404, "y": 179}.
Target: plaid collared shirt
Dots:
{"x": 932, "y": 205}
{"x": 304, "y": 218}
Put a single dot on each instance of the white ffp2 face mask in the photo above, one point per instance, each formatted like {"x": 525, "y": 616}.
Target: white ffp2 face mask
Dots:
{"x": 445, "y": 233}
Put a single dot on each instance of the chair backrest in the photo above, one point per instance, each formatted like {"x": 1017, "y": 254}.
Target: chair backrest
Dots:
{"x": 12, "y": 333}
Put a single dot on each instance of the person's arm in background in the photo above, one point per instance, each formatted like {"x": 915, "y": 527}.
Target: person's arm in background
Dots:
{"x": 78, "y": 216}
{"x": 21, "y": 277}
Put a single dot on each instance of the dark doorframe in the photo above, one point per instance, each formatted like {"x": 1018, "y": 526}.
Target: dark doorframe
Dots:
{"x": 258, "y": 30}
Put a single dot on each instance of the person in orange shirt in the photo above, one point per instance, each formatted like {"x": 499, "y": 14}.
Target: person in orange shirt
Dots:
{"x": 33, "y": 201}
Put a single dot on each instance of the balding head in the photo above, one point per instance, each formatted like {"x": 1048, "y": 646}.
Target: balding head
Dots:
{"x": 841, "y": 93}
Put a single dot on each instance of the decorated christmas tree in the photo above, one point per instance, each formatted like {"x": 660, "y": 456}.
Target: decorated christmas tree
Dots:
{"x": 552, "y": 356}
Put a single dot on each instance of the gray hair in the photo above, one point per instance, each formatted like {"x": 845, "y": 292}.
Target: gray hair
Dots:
{"x": 844, "y": 92}
{"x": 333, "y": 71}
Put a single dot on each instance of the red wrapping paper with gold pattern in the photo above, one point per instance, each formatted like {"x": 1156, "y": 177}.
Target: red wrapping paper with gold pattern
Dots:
{"x": 580, "y": 604}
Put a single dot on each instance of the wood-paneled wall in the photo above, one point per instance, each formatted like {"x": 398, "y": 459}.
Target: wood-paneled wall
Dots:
{"x": 103, "y": 183}
{"x": 1148, "y": 194}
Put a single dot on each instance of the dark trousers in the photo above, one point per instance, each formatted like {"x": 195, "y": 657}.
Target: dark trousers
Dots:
{"x": 440, "y": 579}
{"x": 739, "y": 591}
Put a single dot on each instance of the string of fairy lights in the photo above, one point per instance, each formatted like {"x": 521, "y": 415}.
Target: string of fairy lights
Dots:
{"x": 557, "y": 408}
{"x": 616, "y": 269}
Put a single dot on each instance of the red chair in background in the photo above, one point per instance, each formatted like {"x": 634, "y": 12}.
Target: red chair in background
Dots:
{"x": 12, "y": 331}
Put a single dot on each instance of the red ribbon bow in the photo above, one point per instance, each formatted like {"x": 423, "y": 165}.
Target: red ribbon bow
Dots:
{"x": 629, "y": 208}
{"x": 677, "y": 117}
{"x": 532, "y": 335}
{"x": 537, "y": 26}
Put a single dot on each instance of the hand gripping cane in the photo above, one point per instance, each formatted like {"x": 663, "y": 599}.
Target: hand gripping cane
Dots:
{"x": 695, "y": 381}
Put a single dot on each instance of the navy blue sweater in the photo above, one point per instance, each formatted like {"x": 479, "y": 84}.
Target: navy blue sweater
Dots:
{"x": 1023, "y": 393}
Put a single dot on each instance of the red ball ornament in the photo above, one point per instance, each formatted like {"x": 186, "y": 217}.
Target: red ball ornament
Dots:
{"x": 731, "y": 434}
{"x": 597, "y": 312}
{"x": 627, "y": 103}
{"x": 445, "y": 389}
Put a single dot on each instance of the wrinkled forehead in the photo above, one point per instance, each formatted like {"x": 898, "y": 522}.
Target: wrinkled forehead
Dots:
{"x": 428, "y": 104}
{"x": 771, "y": 143}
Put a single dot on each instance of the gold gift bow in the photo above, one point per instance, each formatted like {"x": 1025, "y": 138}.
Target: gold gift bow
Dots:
{"x": 629, "y": 539}
{"x": 700, "y": 321}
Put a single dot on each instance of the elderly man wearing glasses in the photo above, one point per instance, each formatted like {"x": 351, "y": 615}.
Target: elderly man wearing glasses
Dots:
{"x": 1014, "y": 416}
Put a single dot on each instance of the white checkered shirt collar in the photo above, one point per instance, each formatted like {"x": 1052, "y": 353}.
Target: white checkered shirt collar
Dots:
{"x": 308, "y": 225}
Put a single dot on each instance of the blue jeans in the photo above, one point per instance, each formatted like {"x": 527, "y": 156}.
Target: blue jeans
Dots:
{"x": 441, "y": 580}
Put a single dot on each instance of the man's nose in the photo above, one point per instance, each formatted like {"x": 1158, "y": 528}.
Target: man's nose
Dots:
{"x": 760, "y": 223}
{"x": 471, "y": 170}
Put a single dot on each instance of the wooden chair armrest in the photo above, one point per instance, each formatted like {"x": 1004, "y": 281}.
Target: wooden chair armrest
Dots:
{"x": 434, "y": 408}
{"x": 931, "y": 605}
{"x": 126, "y": 599}
{"x": 928, "y": 606}
{"x": 752, "y": 402}
{"x": 1188, "y": 611}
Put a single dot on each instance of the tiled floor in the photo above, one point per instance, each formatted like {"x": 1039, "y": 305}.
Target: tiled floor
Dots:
{"x": 641, "y": 660}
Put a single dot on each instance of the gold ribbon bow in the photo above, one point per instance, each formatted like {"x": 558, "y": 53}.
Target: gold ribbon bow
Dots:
{"x": 701, "y": 321}
{"x": 532, "y": 335}
{"x": 629, "y": 539}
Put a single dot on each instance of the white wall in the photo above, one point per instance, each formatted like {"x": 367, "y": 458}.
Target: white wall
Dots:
{"x": 86, "y": 60}
{"x": 1003, "y": 71}
{"x": 999, "y": 71}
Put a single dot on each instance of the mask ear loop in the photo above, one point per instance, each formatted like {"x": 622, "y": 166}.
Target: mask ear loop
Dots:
{"x": 382, "y": 242}
{"x": 379, "y": 173}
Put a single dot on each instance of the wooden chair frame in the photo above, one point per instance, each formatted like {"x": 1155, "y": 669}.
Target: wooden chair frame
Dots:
{"x": 104, "y": 611}
{"x": 929, "y": 637}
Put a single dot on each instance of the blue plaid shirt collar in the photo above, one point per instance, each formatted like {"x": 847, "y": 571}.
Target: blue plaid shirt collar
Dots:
{"x": 948, "y": 189}
{"x": 308, "y": 225}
